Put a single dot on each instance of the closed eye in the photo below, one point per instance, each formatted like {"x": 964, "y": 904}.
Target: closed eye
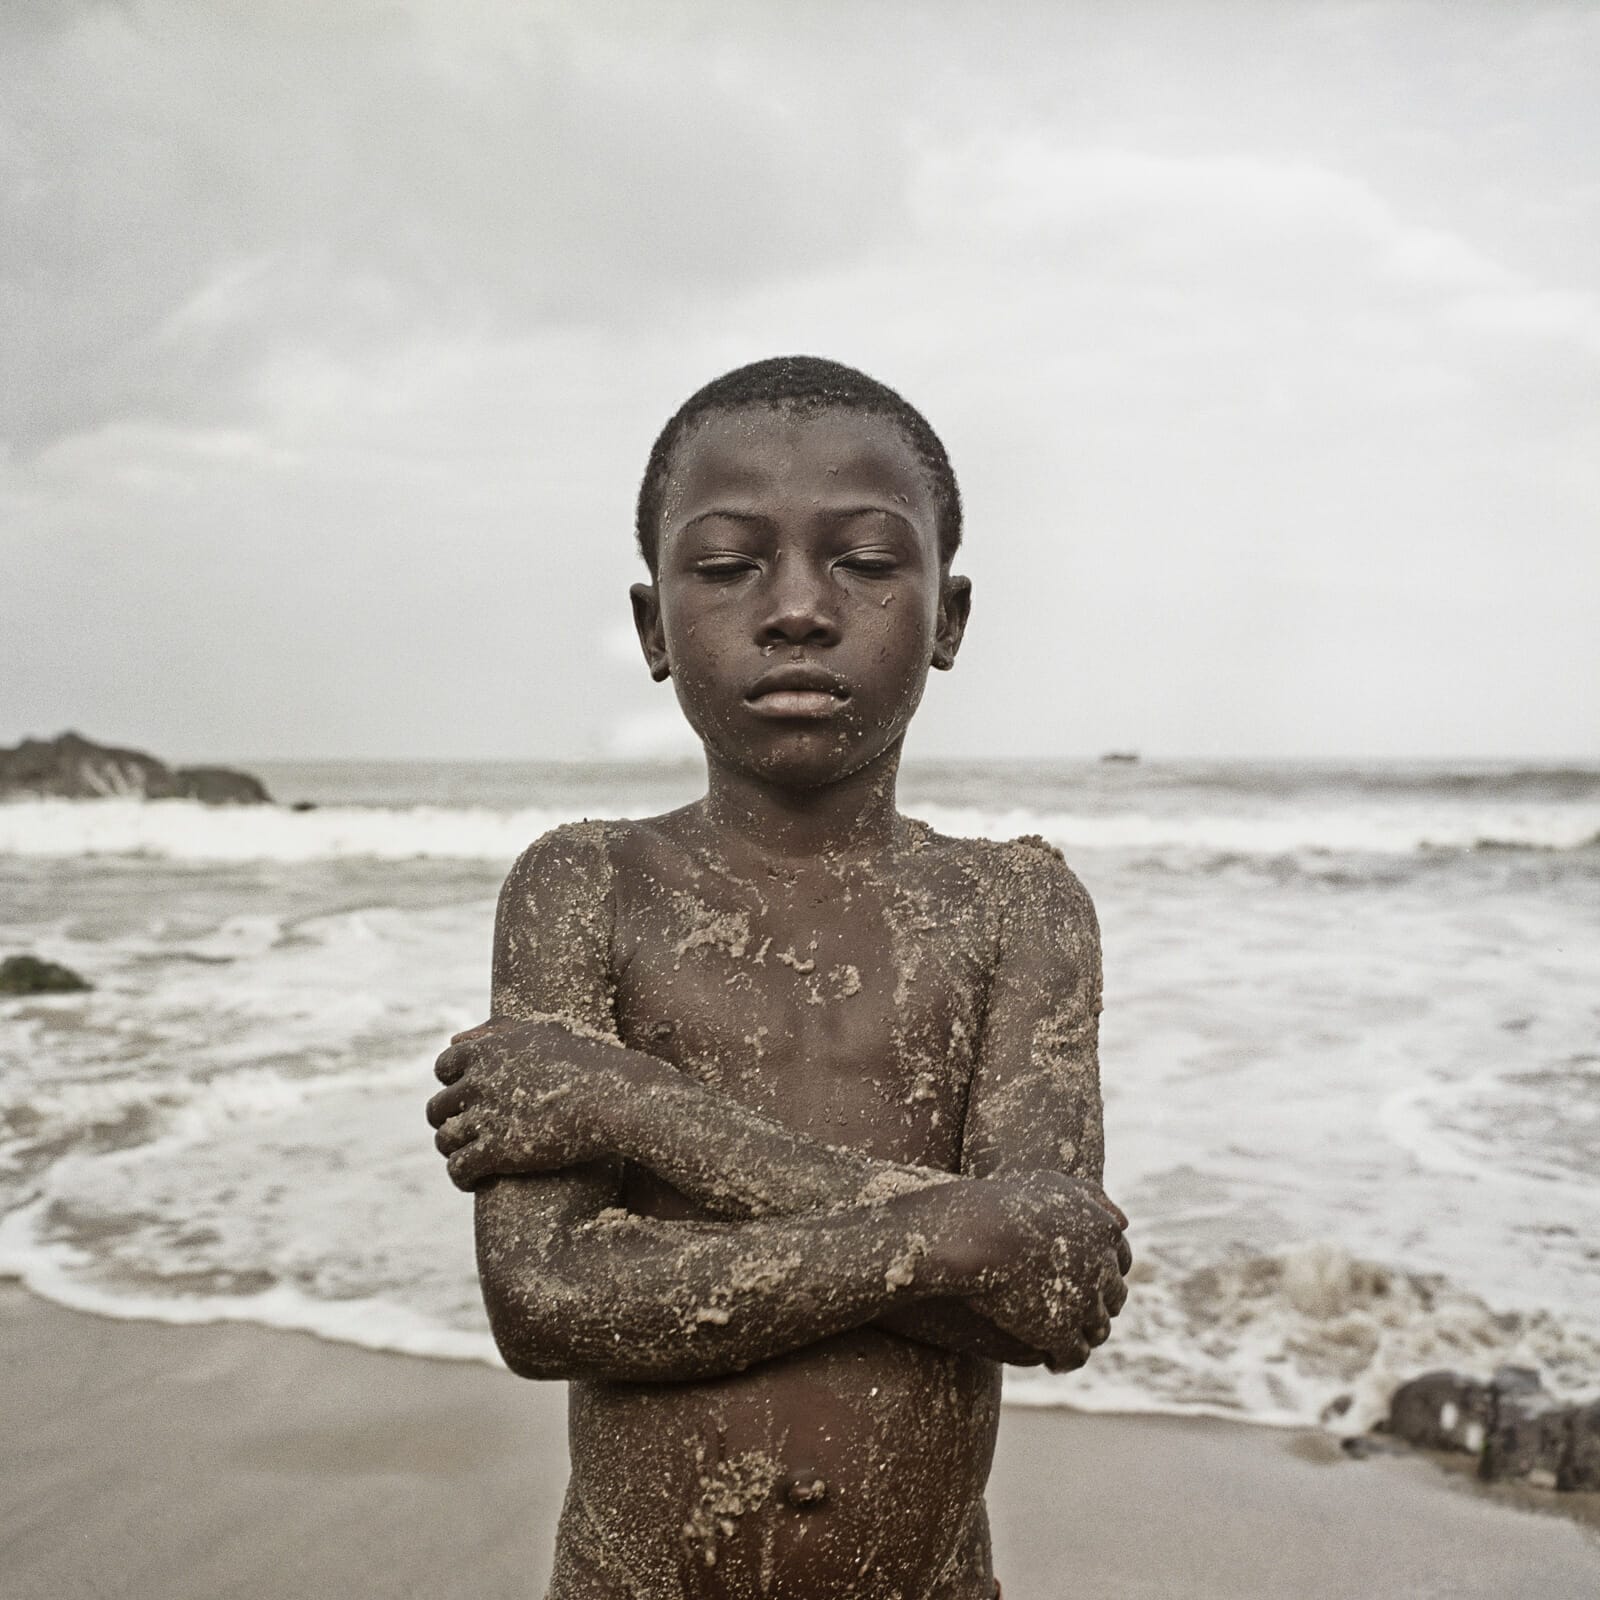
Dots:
{"x": 872, "y": 563}
{"x": 720, "y": 568}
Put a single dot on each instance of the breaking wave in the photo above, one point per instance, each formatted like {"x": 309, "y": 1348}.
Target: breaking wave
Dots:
{"x": 1352, "y": 1091}
{"x": 1312, "y": 1336}
{"x": 185, "y": 830}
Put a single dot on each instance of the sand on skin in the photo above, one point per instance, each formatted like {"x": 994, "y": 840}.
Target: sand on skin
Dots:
{"x": 198, "y": 1463}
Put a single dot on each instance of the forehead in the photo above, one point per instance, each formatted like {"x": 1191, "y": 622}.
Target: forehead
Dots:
{"x": 762, "y": 456}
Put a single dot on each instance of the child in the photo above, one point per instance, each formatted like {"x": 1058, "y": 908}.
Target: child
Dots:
{"x": 786, "y": 1129}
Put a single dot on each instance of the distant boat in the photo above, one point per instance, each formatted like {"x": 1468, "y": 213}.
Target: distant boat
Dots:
{"x": 1120, "y": 755}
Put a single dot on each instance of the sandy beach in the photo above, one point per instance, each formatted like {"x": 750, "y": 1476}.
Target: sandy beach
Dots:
{"x": 193, "y": 1463}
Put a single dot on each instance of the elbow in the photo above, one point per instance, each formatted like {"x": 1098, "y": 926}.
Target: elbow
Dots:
{"x": 552, "y": 1333}
{"x": 538, "y": 1336}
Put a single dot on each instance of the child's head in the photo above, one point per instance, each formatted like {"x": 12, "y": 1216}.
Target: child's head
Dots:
{"x": 798, "y": 519}
{"x": 803, "y": 385}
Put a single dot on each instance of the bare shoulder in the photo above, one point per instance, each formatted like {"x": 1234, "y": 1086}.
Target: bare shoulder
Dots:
{"x": 579, "y": 862}
{"x": 554, "y": 925}
{"x": 1025, "y": 880}
{"x": 1043, "y": 895}
{"x": 574, "y": 854}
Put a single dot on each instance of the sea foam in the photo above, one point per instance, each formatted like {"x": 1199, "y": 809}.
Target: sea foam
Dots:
{"x": 1348, "y": 1056}
{"x": 184, "y": 830}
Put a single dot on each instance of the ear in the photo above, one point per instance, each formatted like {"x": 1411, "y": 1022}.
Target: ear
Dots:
{"x": 647, "y": 621}
{"x": 955, "y": 605}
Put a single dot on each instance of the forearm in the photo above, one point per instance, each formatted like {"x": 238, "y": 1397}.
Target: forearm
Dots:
{"x": 955, "y": 1325}
{"x": 734, "y": 1162}
{"x": 730, "y": 1161}
{"x": 633, "y": 1299}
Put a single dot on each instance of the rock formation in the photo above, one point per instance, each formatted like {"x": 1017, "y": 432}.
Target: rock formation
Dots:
{"x": 1518, "y": 1432}
{"x": 30, "y": 975}
{"x": 74, "y": 768}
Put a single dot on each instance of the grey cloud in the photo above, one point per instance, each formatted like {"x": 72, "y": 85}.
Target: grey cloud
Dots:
{"x": 187, "y": 193}
{"x": 1262, "y": 336}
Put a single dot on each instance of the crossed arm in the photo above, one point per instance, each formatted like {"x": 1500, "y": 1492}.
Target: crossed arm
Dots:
{"x": 1020, "y": 1258}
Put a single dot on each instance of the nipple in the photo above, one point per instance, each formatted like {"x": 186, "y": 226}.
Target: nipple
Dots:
{"x": 806, "y": 1489}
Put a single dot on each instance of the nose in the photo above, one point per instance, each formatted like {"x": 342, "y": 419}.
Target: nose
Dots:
{"x": 800, "y": 606}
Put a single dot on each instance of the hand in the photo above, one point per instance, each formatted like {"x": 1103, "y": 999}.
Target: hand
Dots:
{"x": 519, "y": 1097}
{"x": 1058, "y": 1280}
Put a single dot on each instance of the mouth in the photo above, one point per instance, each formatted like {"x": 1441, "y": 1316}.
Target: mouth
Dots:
{"x": 805, "y": 693}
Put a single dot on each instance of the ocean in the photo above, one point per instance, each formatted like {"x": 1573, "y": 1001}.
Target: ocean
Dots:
{"x": 1350, "y": 1052}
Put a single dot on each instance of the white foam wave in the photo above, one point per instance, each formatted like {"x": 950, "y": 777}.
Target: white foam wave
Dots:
{"x": 1313, "y": 1336}
{"x": 1388, "y": 829}
{"x": 183, "y": 830}
{"x": 371, "y": 1324}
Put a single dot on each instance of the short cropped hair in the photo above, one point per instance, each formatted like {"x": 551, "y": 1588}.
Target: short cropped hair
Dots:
{"x": 806, "y": 384}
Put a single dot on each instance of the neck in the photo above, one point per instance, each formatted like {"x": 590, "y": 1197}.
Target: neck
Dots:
{"x": 853, "y": 816}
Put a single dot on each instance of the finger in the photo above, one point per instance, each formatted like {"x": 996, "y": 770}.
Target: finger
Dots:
{"x": 470, "y": 1165}
{"x": 1099, "y": 1330}
{"x": 1070, "y": 1358}
{"x": 453, "y": 1135}
{"x": 496, "y": 1020}
{"x": 1115, "y": 1294}
{"x": 452, "y": 1063}
{"x": 1105, "y": 1202}
{"x": 1124, "y": 1257}
{"x": 448, "y": 1102}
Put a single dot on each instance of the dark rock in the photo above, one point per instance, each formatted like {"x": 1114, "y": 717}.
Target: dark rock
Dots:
{"x": 304, "y": 805}
{"x": 1527, "y": 1441}
{"x": 1580, "y": 1467}
{"x": 220, "y": 786}
{"x": 1518, "y": 1432}
{"x": 1442, "y": 1411}
{"x": 30, "y": 975}
{"x": 1515, "y": 1380}
{"x": 1336, "y": 1408}
{"x": 74, "y": 768}
{"x": 1362, "y": 1446}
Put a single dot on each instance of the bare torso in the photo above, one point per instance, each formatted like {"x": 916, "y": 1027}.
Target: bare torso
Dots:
{"x": 846, "y": 1000}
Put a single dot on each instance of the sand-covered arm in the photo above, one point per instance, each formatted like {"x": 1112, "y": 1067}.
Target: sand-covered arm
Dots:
{"x": 734, "y": 1162}
{"x": 535, "y": 1095}
{"x": 577, "y": 1288}
{"x": 1034, "y": 1111}
{"x": 1035, "y": 1100}
{"x": 540, "y": 1096}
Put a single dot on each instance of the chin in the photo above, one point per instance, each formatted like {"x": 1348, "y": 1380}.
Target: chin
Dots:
{"x": 809, "y": 763}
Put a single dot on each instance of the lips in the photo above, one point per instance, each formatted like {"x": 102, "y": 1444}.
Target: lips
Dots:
{"x": 797, "y": 691}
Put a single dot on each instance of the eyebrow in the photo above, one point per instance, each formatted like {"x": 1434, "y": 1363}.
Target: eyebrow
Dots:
{"x": 758, "y": 520}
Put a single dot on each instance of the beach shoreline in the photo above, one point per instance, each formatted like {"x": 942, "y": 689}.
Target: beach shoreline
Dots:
{"x": 1364, "y": 1029}
{"x": 192, "y": 1462}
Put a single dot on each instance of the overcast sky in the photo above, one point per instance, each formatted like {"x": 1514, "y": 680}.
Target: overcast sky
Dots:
{"x": 1265, "y": 339}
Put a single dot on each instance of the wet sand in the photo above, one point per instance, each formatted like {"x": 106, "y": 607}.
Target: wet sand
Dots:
{"x": 200, "y": 1463}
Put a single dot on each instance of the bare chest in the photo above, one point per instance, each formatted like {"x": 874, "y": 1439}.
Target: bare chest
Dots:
{"x": 844, "y": 1005}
